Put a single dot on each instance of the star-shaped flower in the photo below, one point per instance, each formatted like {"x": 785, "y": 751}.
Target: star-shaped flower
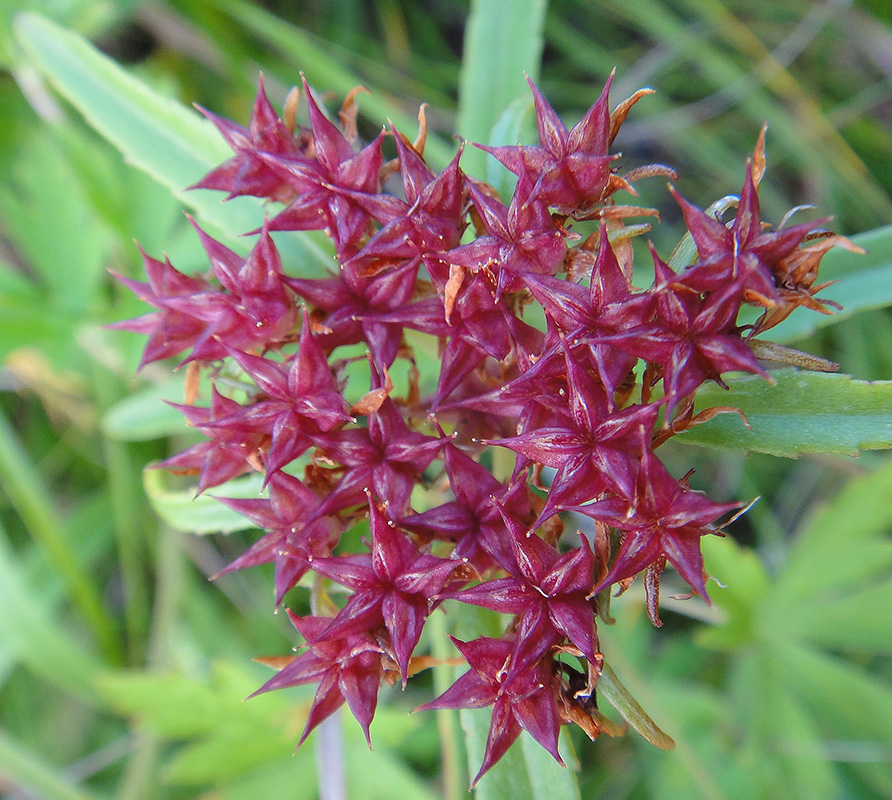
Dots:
{"x": 593, "y": 451}
{"x": 693, "y": 339}
{"x": 520, "y": 239}
{"x": 571, "y": 169}
{"x": 247, "y": 173}
{"x": 521, "y": 699}
{"x": 302, "y": 398}
{"x": 385, "y": 457}
{"x": 347, "y": 669}
{"x": 228, "y": 454}
{"x": 319, "y": 203}
{"x": 428, "y": 222}
{"x": 393, "y": 585}
{"x": 548, "y": 592}
{"x": 370, "y": 309}
{"x": 294, "y": 536}
{"x": 665, "y": 519}
{"x": 473, "y": 520}
{"x": 170, "y": 330}
{"x": 741, "y": 254}
{"x": 586, "y": 314}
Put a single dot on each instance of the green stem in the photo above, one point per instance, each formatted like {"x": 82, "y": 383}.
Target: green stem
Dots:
{"x": 139, "y": 779}
{"x": 23, "y": 485}
{"x": 453, "y": 775}
{"x": 128, "y": 505}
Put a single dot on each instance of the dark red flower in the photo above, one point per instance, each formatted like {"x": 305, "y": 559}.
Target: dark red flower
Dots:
{"x": 347, "y": 669}
{"x": 665, "y": 519}
{"x": 386, "y": 458}
{"x": 227, "y": 455}
{"x": 170, "y": 330}
{"x": 295, "y": 534}
{"x": 320, "y": 205}
{"x": 570, "y": 170}
{"x": 741, "y": 254}
{"x": 299, "y": 398}
{"x": 549, "y": 594}
{"x": 394, "y": 585}
{"x": 525, "y": 699}
{"x": 693, "y": 339}
{"x": 594, "y": 451}
{"x": 247, "y": 173}
{"x": 520, "y": 239}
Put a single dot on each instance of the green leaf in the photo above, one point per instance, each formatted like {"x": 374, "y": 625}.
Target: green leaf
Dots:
{"x": 792, "y": 692}
{"x": 526, "y": 772}
{"x": 155, "y": 133}
{"x": 837, "y": 573}
{"x": 378, "y": 774}
{"x": 805, "y": 412}
{"x": 503, "y": 39}
{"x": 29, "y": 773}
{"x": 143, "y": 416}
{"x": 224, "y": 737}
{"x": 30, "y": 633}
{"x": 853, "y": 705}
{"x": 611, "y": 689}
{"x": 183, "y": 511}
{"x": 45, "y": 209}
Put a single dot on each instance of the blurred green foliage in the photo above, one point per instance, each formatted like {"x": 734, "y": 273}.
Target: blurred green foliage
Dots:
{"x": 122, "y": 671}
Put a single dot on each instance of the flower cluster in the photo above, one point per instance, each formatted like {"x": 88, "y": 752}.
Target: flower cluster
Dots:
{"x": 589, "y": 395}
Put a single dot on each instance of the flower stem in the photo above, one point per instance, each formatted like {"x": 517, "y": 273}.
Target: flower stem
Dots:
{"x": 446, "y": 718}
{"x": 330, "y": 759}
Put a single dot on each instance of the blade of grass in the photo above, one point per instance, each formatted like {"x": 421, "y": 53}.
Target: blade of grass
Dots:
{"x": 692, "y": 761}
{"x": 447, "y": 719}
{"x": 25, "y": 489}
{"x": 158, "y": 135}
{"x": 128, "y": 509}
{"x": 825, "y": 143}
{"x": 29, "y": 633}
{"x": 26, "y": 771}
{"x": 503, "y": 39}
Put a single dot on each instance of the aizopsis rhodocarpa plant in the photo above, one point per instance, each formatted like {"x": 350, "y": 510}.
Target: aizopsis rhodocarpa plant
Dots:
{"x": 590, "y": 396}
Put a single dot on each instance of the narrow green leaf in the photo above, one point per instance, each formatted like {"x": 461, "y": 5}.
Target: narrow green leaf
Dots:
{"x": 837, "y": 572}
{"x": 172, "y": 706}
{"x": 378, "y": 774}
{"x": 805, "y": 412}
{"x": 30, "y": 635}
{"x": 612, "y": 690}
{"x": 232, "y": 750}
{"x": 159, "y": 135}
{"x": 855, "y": 708}
{"x": 183, "y": 511}
{"x": 29, "y": 773}
{"x": 25, "y": 323}
{"x": 503, "y": 39}
{"x": 31, "y": 498}
{"x": 45, "y": 209}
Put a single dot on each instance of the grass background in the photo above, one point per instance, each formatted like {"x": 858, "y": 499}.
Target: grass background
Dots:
{"x": 122, "y": 670}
